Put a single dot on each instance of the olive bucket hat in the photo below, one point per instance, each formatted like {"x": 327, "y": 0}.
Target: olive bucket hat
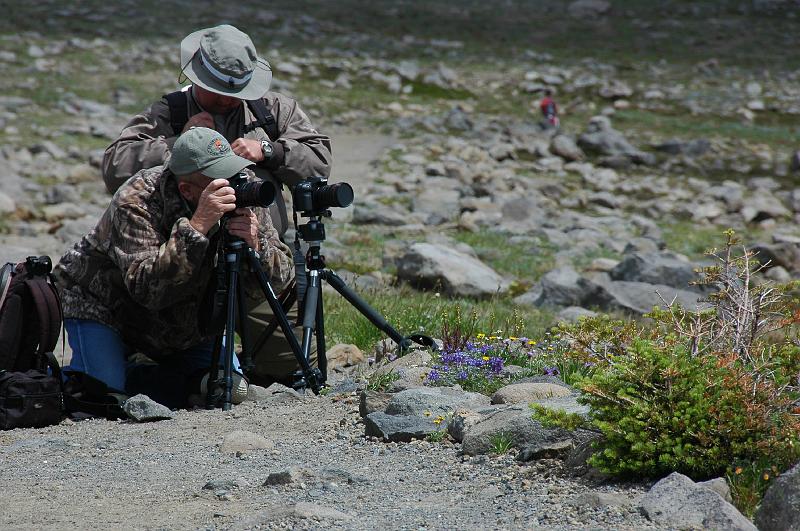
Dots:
{"x": 223, "y": 60}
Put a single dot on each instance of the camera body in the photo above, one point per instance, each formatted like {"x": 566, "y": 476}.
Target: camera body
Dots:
{"x": 251, "y": 193}
{"x": 314, "y": 196}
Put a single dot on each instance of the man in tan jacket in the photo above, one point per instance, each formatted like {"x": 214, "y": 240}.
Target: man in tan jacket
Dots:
{"x": 230, "y": 94}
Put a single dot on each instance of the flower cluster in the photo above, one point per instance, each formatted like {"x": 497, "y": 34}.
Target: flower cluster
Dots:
{"x": 476, "y": 361}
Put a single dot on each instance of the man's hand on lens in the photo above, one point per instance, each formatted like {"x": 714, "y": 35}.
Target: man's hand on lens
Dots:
{"x": 217, "y": 199}
{"x": 202, "y": 119}
{"x": 248, "y": 148}
{"x": 244, "y": 224}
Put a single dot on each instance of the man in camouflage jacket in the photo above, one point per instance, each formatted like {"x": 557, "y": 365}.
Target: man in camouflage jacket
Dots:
{"x": 136, "y": 283}
{"x": 225, "y": 72}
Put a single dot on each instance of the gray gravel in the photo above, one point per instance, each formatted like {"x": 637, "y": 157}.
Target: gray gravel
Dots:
{"x": 122, "y": 475}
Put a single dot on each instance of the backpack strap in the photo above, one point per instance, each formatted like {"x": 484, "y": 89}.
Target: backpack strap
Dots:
{"x": 5, "y": 282}
{"x": 264, "y": 118}
{"x": 48, "y": 307}
{"x": 178, "y": 110}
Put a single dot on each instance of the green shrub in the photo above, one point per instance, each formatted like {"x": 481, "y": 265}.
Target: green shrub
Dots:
{"x": 662, "y": 410}
{"x": 558, "y": 418}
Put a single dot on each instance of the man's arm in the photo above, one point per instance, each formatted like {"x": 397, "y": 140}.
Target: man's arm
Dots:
{"x": 155, "y": 270}
{"x": 145, "y": 142}
{"x": 300, "y": 150}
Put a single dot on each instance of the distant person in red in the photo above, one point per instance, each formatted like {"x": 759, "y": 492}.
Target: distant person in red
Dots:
{"x": 549, "y": 109}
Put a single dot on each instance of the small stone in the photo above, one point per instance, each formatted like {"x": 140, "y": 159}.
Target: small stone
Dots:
{"x": 243, "y": 442}
{"x": 142, "y": 408}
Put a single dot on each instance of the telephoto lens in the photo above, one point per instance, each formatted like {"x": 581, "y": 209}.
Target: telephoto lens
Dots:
{"x": 252, "y": 194}
{"x": 337, "y": 195}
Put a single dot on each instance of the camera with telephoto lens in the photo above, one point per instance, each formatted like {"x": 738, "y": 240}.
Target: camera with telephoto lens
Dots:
{"x": 252, "y": 193}
{"x": 315, "y": 196}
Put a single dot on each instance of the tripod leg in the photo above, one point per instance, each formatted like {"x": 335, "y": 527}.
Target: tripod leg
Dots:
{"x": 310, "y": 305}
{"x": 322, "y": 360}
{"x": 246, "y": 358}
{"x": 213, "y": 382}
{"x": 283, "y": 321}
{"x": 232, "y": 262}
{"x": 366, "y": 310}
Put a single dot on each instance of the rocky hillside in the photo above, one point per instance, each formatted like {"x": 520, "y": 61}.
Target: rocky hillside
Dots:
{"x": 674, "y": 128}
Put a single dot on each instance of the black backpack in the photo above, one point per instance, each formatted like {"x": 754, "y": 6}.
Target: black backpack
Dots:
{"x": 30, "y": 323}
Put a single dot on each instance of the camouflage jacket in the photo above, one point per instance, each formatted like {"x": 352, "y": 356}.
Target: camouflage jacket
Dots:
{"x": 144, "y": 270}
{"x": 300, "y": 150}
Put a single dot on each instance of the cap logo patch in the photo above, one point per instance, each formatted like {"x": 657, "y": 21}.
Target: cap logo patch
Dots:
{"x": 218, "y": 147}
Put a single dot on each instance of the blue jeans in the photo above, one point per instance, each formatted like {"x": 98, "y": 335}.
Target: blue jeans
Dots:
{"x": 99, "y": 351}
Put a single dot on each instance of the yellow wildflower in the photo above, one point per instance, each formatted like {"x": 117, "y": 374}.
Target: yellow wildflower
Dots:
{"x": 427, "y": 413}
{"x": 531, "y": 342}
{"x": 485, "y": 358}
{"x": 738, "y": 470}
{"x": 480, "y": 336}
{"x": 766, "y": 477}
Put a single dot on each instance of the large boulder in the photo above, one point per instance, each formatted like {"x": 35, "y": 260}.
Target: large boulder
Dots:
{"x": 602, "y": 139}
{"x": 566, "y": 148}
{"x": 525, "y": 393}
{"x": 678, "y": 502}
{"x": 640, "y": 297}
{"x": 655, "y": 268}
{"x": 780, "y": 507}
{"x": 588, "y": 9}
{"x": 433, "y": 401}
{"x": 763, "y": 205}
{"x": 431, "y": 266}
{"x": 514, "y": 424}
{"x": 562, "y": 287}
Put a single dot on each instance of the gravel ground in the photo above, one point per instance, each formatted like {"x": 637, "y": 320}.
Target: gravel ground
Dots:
{"x": 98, "y": 474}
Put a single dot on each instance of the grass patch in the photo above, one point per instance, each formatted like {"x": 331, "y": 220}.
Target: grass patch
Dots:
{"x": 411, "y": 311}
{"x": 526, "y": 261}
{"x": 501, "y": 443}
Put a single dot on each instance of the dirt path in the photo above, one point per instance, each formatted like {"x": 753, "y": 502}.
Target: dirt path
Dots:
{"x": 121, "y": 475}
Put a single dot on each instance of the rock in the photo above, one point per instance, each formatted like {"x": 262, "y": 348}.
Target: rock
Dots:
{"x": 785, "y": 254}
{"x": 463, "y": 419}
{"x": 601, "y": 138}
{"x": 555, "y": 448}
{"x": 297, "y": 474}
{"x": 640, "y": 297}
{"x": 410, "y": 378}
{"x": 526, "y": 393}
{"x": 415, "y": 358}
{"x": 399, "y": 428}
{"x": 780, "y": 507}
{"x": 778, "y": 274}
{"x": 588, "y": 9}
{"x": 677, "y": 501}
{"x": 655, "y": 268}
{"x": 566, "y": 148}
{"x": 573, "y": 314}
{"x": 576, "y": 461}
{"x": 344, "y": 355}
{"x": 281, "y": 512}
{"x": 763, "y": 205}
{"x": 244, "y": 442}
{"x": 514, "y": 423}
{"x": 142, "y": 408}
{"x": 615, "y": 90}
{"x": 720, "y": 486}
{"x": 693, "y": 148}
{"x": 372, "y": 401}
{"x": 601, "y": 500}
{"x": 795, "y": 164}
{"x": 364, "y": 214}
{"x": 564, "y": 287}
{"x": 430, "y": 266}
{"x": 275, "y": 393}
{"x": 7, "y": 204}
{"x": 433, "y": 401}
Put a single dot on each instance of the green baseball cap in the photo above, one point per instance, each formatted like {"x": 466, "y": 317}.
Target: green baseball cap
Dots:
{"x": 204, "y": 150}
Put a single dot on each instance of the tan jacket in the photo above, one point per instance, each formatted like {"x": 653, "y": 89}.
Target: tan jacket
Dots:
{"x": 144, "y": 269}
{"x": 148, "y": 138}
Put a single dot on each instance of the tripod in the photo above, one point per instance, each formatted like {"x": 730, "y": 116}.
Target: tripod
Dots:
{"x": 233, "y": 252}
